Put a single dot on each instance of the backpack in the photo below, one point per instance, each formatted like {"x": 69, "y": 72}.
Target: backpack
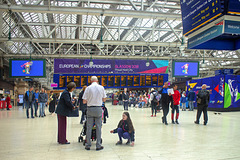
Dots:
{"x": 203, "y": 96}
{"x": 155, "y": 97}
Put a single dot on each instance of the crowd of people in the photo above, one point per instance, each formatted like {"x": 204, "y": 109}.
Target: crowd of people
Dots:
{"x": 91, "y": 101}
{"x": 38, "y": 101}
{"x": 162, "y": 99}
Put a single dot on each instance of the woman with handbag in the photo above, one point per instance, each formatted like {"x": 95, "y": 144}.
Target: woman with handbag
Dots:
{"x": 64, "y": 109}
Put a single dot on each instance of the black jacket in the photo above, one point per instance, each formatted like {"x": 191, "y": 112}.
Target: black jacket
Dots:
{"x": 204, "y": 96}
{"x": 65, "y": 105}
{"x": 83, "y": 107}
{"x": 124, "y": 125}
{"x": 125, "y": 96}
{"x": 42, "y": 98}
{"x": 26, "y": 97}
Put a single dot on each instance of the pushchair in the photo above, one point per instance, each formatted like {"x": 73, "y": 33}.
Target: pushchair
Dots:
{"x": 83, "y": 133}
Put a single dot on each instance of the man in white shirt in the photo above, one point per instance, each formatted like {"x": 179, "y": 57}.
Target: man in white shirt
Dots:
{"x": 94, "y": 96}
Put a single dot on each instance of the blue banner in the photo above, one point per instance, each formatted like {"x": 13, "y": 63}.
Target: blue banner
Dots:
{"x": 234, "y": 7}
{"x": 215, "y": 85}
{"x": 196, "y": 13}
{"x": 205, "y": 36}
{"x": 232, "y": 27}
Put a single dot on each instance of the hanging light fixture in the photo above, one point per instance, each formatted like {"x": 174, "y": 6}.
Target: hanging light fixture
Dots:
{"x": 101, "y": 44}
{"x": 91, "y": 62}
{"x": 9, "y": 42}
{"x": 203, "y": 64}
{"x": 147, "y": 63}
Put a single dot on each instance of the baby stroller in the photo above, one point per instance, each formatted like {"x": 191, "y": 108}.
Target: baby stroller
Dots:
{"x": 83, "y": 133}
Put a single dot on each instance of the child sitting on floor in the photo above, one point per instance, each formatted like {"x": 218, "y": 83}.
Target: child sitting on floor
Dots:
{"x": 125, "y": 129}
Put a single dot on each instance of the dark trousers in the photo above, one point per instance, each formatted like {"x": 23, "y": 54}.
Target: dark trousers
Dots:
{"x": 104, "y": 119}
{"x": 36, "y": 108}
{"x": 62, "y": 125}
{"x": 175, "y": 107}
{"x": 83, "y": 115}
{"x": 200, "y": 109}
{"x": 8, "y": 106}
{"x": 125, "y": 105}
{"x": 154, "y": 108}
{"x": 29, "y": 105}
{"x": 165, "y": 107}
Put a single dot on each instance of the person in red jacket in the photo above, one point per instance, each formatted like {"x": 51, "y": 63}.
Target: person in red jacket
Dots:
{"x": 176, "y": 99}
{"x": 8, "y": 100}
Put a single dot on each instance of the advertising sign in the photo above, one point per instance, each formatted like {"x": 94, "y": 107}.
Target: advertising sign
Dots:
{"x": 109, "y": 66}
{"x": 196, "y": 13}
{"x": 27, "y": 68}
{"x": 185, "y": 69}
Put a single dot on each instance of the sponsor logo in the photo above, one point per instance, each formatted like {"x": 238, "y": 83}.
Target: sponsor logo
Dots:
{"x": 27, "y": 67}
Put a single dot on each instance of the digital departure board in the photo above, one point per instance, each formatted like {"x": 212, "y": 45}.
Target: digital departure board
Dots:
{"x": 160, "y": 80}
{"x": 123, "y": 81}
{"x": 62, "y": 81}
{"x": 69, "y": 79}
{"x": 104, "y": 81}
{"x": 142, "y": 80}
{"x": 110, "y": 81}
{"x": 84, "y": 81}
{"x": 130, "y": 81}
{"x": 148, "y": 80}
{"x": 77, "y": 80}
{"x": 154, "y": 80}
{"x": 117, "y": 81}
{"x": 136, "y": 80}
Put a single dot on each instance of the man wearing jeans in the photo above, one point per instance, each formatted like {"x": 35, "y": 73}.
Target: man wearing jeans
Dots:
{"x": 36, "y": 101}
{"x": 94, "y": 96}
{"x": 42, "y": 99}
{"x": 29, "y": 100}
{"x": 125, "y": 97}
{"x": 191, "y": 98}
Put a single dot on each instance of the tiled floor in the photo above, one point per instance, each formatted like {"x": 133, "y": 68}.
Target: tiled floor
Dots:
{"x": 22, "y": 138}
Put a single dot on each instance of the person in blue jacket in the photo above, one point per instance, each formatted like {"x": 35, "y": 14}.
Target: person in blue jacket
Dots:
{"x": 191, "y": 97}
{"x": 64, "y": 108}
{"x": 183, "y": 101}
{"x": 125, "y": 130}
{"x": 29, "y": 101}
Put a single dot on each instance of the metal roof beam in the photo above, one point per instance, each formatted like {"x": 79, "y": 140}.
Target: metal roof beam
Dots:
{"x": 123, "y": 57}
{"x": 91, "y": 11}
{"x": 82, "y": 41}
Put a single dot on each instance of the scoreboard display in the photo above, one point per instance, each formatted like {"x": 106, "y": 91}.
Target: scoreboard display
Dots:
{"x": 112, "y": 80}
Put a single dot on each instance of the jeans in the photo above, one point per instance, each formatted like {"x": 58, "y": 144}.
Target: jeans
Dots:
{"x": 141, "y": 104}
{"x": 42, "y": 107}
{"x": 29, "y": 105}
{"x": 184, "y": 106}
{"x": 125, "y": 105}
{"x": 122, "y": 134}
{"x": 36, "y": 108}
{"x": 191, "y": 106}
{"x": 154, "y": 107}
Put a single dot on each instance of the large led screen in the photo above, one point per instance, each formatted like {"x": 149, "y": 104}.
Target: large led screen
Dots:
{"x": 27, "y": 68}
{"x": 185, "y": 69}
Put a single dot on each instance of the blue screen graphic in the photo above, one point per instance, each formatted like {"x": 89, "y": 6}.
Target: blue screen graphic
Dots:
{"x": 189, "y": 69}
{"x": 23, "y": 68}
